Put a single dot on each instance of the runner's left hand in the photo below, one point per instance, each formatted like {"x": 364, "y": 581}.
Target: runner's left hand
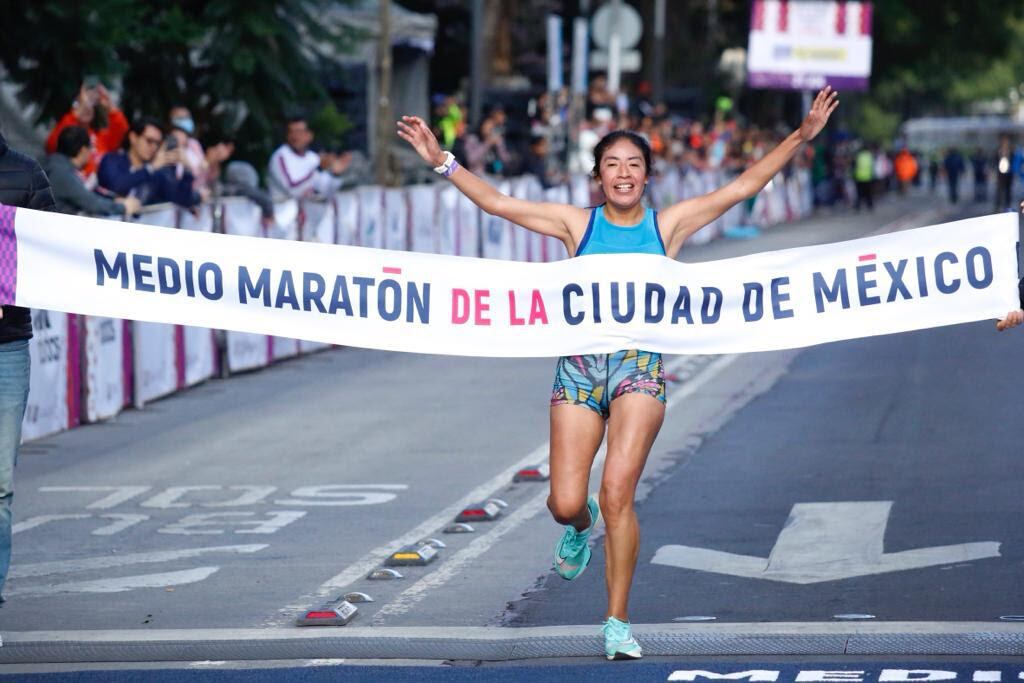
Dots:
{"x": 824, "y": 104}
{"x": 1012, "y": 319}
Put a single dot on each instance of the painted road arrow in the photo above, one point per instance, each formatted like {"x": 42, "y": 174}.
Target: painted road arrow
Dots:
{"x": 826, "y": 542}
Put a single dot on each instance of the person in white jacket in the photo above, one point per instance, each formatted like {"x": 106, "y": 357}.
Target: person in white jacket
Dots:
{"x": 298, "y": 172}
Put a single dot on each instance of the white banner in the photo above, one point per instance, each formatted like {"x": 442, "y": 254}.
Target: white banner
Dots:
{"x": 405, "y": 301}
{"x": 196, "y": 350}
{"x": 47, "y": 409}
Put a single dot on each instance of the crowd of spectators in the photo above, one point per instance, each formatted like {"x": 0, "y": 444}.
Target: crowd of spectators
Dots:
{"x": 100, "y": 163}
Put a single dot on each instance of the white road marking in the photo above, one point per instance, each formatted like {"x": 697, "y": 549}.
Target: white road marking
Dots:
{"x": 121, "y": 522}
{"x": 84, "y": 564}
{"x": 209, "y": 523}
{"x": 39, "y": 520}
{"x": 120, "y": 494}
{"x": 480, "y": 545}
{"x": 825, "y": 542}
{"x": 168, "y": 498}
{"x": 119, "y": 584}
{"x": 250, "y": 496}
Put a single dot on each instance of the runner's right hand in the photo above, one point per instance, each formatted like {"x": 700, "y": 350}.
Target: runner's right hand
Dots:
{"x": 417, "y": 133}
{"x": 1012, "y": 319}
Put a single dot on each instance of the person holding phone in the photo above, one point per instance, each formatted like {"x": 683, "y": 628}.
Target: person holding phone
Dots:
{"x": 145, "y": 168}
{"x": 95, "y": 111}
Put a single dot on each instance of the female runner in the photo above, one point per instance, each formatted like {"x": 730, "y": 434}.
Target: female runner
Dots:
{"x": 623, "y": 392}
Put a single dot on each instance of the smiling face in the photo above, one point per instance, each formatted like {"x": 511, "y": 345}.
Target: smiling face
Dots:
{"x": 622, "y": 172}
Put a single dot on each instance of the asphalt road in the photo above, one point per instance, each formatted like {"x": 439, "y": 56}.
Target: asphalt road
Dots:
{"x": 877, "y": 476}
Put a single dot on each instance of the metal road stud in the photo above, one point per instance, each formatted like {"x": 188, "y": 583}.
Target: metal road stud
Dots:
{"x": 499, "y": 502}
{"x": 333, "y": 614}
{"x": 481, "y": 512}
{"x": 459, "y": 528}
{"x": 384, "y": 574}
{"x": 436, "y": 542}
{"x": 356, "y": 596}
{"x": 533, "y": 473}
{"x": 412, "y": 555}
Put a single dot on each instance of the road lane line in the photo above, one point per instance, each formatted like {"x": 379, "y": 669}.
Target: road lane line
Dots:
{"x": 480, "y": 545}
{"x": 21, "y": 571}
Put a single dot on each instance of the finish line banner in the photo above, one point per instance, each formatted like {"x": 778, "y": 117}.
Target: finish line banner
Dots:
{"x": 426, "y": 303}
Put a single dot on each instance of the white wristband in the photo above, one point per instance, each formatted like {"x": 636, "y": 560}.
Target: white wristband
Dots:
{"x": 448, "y": 166}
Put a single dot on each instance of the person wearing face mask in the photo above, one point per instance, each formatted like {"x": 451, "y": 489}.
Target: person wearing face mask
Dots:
{"x": 193, "y": 157}
{"x": 621, "y": 394}
{"x": 95, "y": 111}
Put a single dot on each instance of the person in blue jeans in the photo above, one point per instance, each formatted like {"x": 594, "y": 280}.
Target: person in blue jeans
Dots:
{"x": 621, "y": 394}
{"x": 22, "y": 184}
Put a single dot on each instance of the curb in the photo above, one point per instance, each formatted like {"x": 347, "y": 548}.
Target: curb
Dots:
{"x": 503, "y": 644}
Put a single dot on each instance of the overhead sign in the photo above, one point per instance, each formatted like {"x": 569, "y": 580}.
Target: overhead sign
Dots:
{"x": 806, "y": 44}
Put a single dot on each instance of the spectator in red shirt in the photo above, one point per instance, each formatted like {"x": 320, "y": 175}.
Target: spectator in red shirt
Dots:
{"x": 94, "y": 111}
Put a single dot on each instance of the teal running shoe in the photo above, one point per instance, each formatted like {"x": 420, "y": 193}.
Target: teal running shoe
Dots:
{"x": 572, "y": 554}
{"x": 618, "y": 640}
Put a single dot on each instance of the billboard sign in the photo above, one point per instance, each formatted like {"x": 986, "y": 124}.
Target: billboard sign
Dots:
{"x": 806, "y": 44}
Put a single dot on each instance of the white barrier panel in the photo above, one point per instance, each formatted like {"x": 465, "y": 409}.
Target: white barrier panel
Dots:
{"x": 553, "y": 249}
{"x": 47, "y": 409}
{"x": 664, "y": 190}
{"x": 468, "y": 240}
{"x": 520, "y": 237}
{"x": 371, "y": 218}
{"x": 448, "y": 219}
{"x": 197, "y": 358}
{"x": 103, "y": 385}
{"x": 155, "y": 360}
{"x": 423, "y": 214}
{"x": 496, "y": 231}
{"x": 155, "y": 346}
{"x": 532, "y": 190}
{"x": 245, "y": 351}
{"x": 318, "y": 224}
{"x": 286, "y": 220}
{"x": 347, "y": 206}
{"x": 396, "y": 220}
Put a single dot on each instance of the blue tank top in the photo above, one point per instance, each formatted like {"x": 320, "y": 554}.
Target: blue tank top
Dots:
{"x": 603, "y": 237}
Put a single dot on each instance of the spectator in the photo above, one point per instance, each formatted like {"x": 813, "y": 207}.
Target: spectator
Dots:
{"x": 979, "y": 168}
{"x": 297, "y": 171}
{"x": 905, "y": 166}
{"x": 536, "y": 162}
{"x": 954, "y": 166}
{"x": 146, "y": 168}
{"x": 864, "y": 177}
{"x": 95, "y": 111}
{"x": 193, "y": 158}
{"x": 23, "y": 184}
{"x": 1005, "y": 161}
{"x": 64, "y": 169}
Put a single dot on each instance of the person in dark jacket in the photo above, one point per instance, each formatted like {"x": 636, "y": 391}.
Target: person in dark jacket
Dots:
{"x": 22, "y": 184}
{"x": 63, "y": 168}
{"x": 148, "y": 169}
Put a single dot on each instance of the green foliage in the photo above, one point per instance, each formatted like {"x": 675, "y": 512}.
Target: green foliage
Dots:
{"x": 241, "y": 66}
{"x": 876, "y": 124}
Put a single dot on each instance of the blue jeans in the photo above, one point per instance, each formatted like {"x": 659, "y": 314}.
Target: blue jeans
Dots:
{"x": 14, "y": 373}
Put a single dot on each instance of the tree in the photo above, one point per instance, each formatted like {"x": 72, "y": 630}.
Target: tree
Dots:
{"x": 241, "y": 66}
